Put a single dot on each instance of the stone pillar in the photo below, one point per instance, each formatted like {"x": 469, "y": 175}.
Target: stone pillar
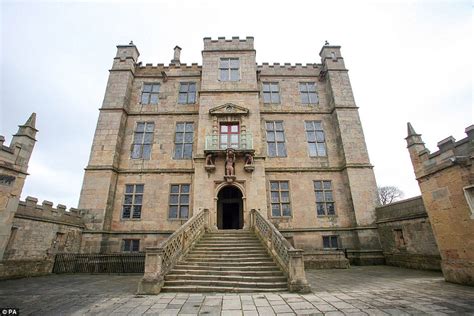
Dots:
{"x": 296, "y": 276}
{"x": 152, "y": 280}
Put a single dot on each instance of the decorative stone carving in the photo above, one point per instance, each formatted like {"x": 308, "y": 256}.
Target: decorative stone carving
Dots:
{"x": 249, "y": 166}
{"x": 230, "y": 162}
{"x": 210, "y": 163}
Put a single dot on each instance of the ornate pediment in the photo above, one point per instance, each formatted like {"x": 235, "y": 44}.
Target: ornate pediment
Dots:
{"x": 229, "y": 108}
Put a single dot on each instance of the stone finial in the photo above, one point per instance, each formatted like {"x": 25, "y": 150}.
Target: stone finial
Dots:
{"x": 411, "y": 130}
{"x": 31, "y": 122}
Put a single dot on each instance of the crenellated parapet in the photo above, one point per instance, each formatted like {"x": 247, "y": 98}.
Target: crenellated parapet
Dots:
{"x": 234, "y": 43}
{"x": 287, "y": 69}
{"x": 170, "y": 70}
{"x": 30, "y": 209}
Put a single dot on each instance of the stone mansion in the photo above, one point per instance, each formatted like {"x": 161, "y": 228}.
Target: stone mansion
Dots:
{"x": 230, "y": 136}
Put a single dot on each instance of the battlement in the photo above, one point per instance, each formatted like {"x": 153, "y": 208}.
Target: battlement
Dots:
{"x": 183, "y": 66}
{"x": 297, "y": 69}
{"x": 235, "y": 43}
{"x": 46, "y": 212}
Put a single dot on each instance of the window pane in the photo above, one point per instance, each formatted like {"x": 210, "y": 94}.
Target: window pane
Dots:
{"x": 234, "y": 139}
{"x": 234, "y": 74}
{"x": 140, "y": 127}
{"x": 135, "y": 245}
{"x": 179, "y": 138}
{"x": 279, "y": 126}
{"x": 274, "y": 185}
{"x": 184, "y": 212}
{"x": 128, "y": 199}
{"x": 184, "y": 199}
{"x": 178, "y": 151}
{"x": 269, "y": 126}
{"x": 320, "y": 136}
{"x": 148, "y": 138}
{"x": 183, "y": 87}
{"x": 311, "y": 136}
{"x": 319, "y": 196}
{"x": 145, "y": 98}
{"x": 138, "y": 199}
{"x": 182, "y": 98}
{"x": 138, "y": 138}
{"x": 266, "y": 97}
{"x": 136, "y": 151}
{"x": 275, "y": 98}
{"x": 192, "y": 97}
{"x": 304, "y": 98}
{"x": 129, "y": 188}
{"x": 326, "y": 242}
{"x": 274, "y": 87}
{"x": 188, "y": 151}
{"x": 192, "y": 87}
{"x": 224, "y": 75}
{"x": 156, "y": 88}
{"x": 313, "y": 98}
{"x": 188, "y": 137}
{"x": 234, "y": 63}
{"x": 312, "y": 149}
{"x": 174, "y": 189}
{"x": 154, "y": 98}
{"x": 271, "y": 149}
{"x": 173, "y": 212}
{"x": 126, "y": 245}
{"x": 185, "y": 188}
{"x": 308, "y": 125}
{"x": 126, "y": 211}
{"x": 189, "y": 127}
{"x": 223, "y": 139}
{"x": 276, "y": 210}
{"x": 174, "y": 199}
{"x": 224, "y": 63}
{"x": 146, "y": 151}
{"x": 286, "y": 210}
{"x": 284, "y": 185}
{"x": 318, "y": 185}
{"x": 311, "y": 87}
{"x": 321, "y": 149}
{"x": 280, "y": 137}
{"x": 270, "y": 136}
{"x": 137, "y": 211}
{"x": 281, "y": 150}
{"x": 224, "y": 128}
{"x": 180, "y": 127}
{"x": 334, "y": 241}
{"x": 285, "y": 196}
{"x": 275, "y": 197}
{"x": 234, "y": 128}
{"x": 327, "y": 185}
{"x": 318, "y": 125}
{"x": 328, "y": 196}
{"x": 303, "y": 87}
{"x": 266, "y": 87}
{"x": 147, "y": 88}
{"x": 320, "y": 208}
{"x": 330, "y": 207}
{"x": 139, "y": 188}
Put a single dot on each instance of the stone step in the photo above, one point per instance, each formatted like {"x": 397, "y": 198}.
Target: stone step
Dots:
{"x": 227, "y": 246}
{"x": 242, "y": 265}
{"x": 223, "y": 260}
{"x": 224, "y": 255}
{"x": 218, "y": 289}
{"x": 193, "y": 271}
{"x": 230, "y": 278}
{"x": 228, "y": 251}
{"x": 234, "y": 267}
{"x": 256, "y": 285}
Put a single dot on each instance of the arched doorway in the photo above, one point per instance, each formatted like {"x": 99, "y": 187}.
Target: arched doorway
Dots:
{"x": 230, "y": 208}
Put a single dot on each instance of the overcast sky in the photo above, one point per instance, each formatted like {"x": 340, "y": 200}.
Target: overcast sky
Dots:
{"x": 408, "y": 61}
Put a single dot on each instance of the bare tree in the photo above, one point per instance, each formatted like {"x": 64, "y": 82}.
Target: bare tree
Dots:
{"x": 389, "y": 194}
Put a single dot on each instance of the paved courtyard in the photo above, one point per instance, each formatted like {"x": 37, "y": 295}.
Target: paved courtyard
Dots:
{"x": 374, "y": 290}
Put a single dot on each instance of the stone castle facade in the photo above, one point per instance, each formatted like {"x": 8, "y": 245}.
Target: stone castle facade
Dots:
{"x": 229, "y": 136}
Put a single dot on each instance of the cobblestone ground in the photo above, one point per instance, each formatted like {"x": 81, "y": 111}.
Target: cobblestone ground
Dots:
{"x": 375, "y": 290}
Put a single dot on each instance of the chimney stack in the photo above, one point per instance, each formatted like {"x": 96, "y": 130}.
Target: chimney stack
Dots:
{"x": 176, "y": 56}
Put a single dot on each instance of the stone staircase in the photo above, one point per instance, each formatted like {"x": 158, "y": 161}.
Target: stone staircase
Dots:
{"x": 226, "y": 261}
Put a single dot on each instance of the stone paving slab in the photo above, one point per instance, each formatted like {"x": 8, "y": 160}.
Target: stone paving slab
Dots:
{"x": 375, "y": 290}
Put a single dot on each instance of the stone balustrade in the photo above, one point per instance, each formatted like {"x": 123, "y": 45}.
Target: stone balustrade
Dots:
{"x": 288, "y": 258}
{"x": 160, "y": 260}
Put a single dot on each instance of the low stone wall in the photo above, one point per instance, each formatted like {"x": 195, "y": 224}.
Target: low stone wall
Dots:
{"x": 14, "y": 269}
{"x": 406, "y": 236}
{"x": 325, "y": 259}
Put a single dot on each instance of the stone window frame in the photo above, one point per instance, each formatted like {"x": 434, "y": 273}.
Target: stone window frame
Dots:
{"x": 331, "y": 241}
{"x": 308, "y": 93}
{"x": 277, "y": 143}
{"x": 279, "y": 190}
{"x": 183, "y": 143}
{"x": 178, "y": 204}
{"x": 129, "y": 243}
{"x": 137, "y": 150}
{"x": 314, "y": 141}
{"x": 150, "y": 95}
{"x": 325, "y": 202}
{"x": 135, "y": 207}
{"x": 187, "y": 92}
{"x": 229, "y": 69}
{"x": 469, "y": 195}
{"x": 271, "y": 92}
